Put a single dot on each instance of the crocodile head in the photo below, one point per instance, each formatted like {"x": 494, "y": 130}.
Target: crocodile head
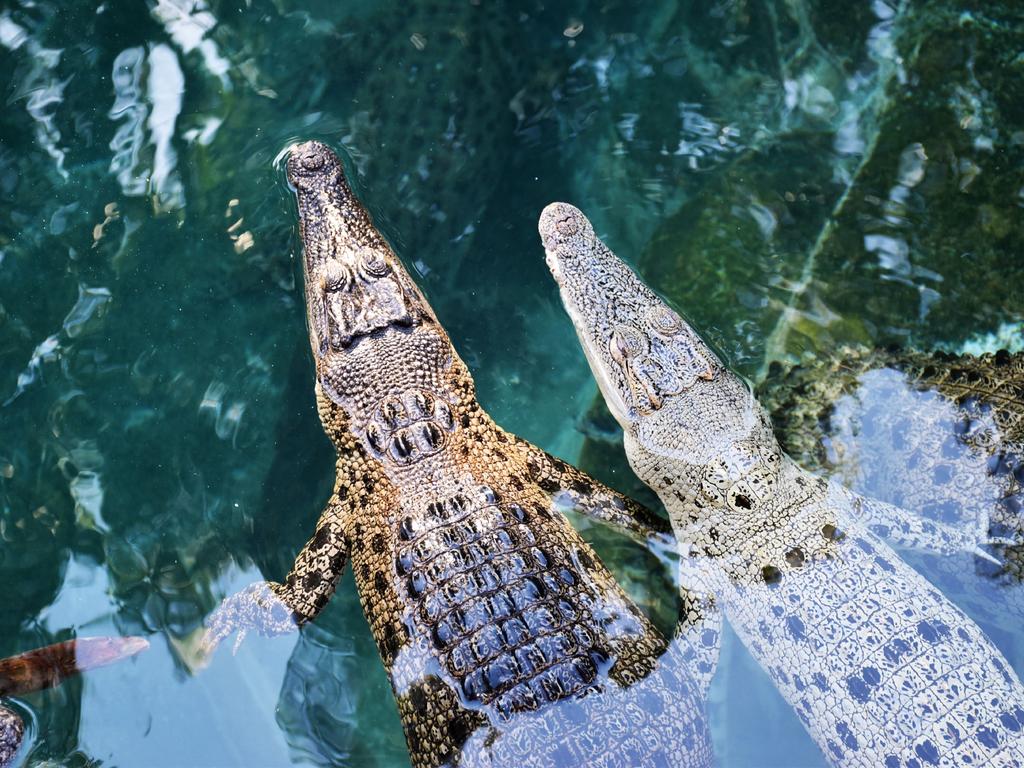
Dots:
{"x": 661, "y": 381}
{"x": 355, "y": 285}
{"x": 643, "y": 354}
{"x": 373, "y": 334}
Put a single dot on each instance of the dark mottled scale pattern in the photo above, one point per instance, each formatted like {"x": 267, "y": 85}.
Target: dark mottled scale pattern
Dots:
{"x": 501, "y": 611}
{"x": 940, "y": 435}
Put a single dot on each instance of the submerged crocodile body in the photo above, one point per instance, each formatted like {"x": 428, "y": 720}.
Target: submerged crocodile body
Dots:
{"x": 939, "y": 434}
{"x": 880, "y": 667}
{"x": 46, "y": 667}
{"x": 506, "y": 641}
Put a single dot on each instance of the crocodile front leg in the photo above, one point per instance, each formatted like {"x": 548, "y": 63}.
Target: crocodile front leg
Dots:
{"x": 906, "y": 530}
{"x": 699, "y": 626}
{"x": 272, "y": 608}
{"x": 573, "y": 489}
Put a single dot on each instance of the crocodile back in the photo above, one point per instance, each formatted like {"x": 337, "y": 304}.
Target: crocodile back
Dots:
{"x": 507, "y": 641}
{"x": 939, "y": 435}
{"x": 801, "y": 397}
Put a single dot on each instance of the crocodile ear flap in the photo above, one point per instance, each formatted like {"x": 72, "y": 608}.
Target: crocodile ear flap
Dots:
{"x": 573, "y": 489}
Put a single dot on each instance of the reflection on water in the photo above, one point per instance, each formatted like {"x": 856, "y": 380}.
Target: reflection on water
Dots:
{"x": 795, "y": 174}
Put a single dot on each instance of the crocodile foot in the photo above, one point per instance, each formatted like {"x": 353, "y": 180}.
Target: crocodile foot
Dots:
{"x": 257, "y": 607}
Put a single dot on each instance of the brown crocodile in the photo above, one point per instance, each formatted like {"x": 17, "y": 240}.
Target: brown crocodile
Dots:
{"x": 881, "y": 668}
{"x": 937, "y": 433}
{"x": 46, "y": 667}
{"x": 506, "y": 640}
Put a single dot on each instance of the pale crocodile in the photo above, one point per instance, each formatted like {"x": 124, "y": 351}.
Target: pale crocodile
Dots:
{"x": 46, "y": 667}
{"x": 936, "y": 433}
{"x": 880, "y": 667}
{"x": 507, "y": 642}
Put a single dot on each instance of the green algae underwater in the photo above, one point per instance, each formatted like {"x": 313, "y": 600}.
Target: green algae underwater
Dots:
{"x": 794, "y": 176}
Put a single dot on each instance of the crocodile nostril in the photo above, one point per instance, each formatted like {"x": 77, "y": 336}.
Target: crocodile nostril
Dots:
{"x": 567, "y": 226}
{"x": 312, "y": 161}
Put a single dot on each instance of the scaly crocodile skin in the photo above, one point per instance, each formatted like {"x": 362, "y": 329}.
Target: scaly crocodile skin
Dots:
{"x": 939, "y": 434}
{"x": 47, "y": 667}
{"x": 880, "y": 667}
{"x": 506, "y": 640}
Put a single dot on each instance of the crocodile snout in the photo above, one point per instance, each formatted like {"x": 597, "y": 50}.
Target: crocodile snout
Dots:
{"x": 564, "y": 227}
{"x": 310, "y": 161}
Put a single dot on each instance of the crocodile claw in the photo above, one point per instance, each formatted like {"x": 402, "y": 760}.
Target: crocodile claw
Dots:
{"x": 995, "y": 541}
{"x": 257, "y": 607}
{"x": 981, "y": 553}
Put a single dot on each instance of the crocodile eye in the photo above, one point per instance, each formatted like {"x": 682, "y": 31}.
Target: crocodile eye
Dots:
{"x": 374, "y": 264}
{"x": 618, "y": 347}
{"x": 665, "y": 320}
{"x": 335, "y": 276}
{"x": 625, "y": 343}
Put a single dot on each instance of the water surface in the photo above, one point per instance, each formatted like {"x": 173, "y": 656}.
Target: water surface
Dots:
{"x": 794, "y": 175}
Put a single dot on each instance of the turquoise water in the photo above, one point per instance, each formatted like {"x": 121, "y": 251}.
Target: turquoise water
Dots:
{"x": 794, "y": 175}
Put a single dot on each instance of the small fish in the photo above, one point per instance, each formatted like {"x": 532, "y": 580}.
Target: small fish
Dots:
{"x": 47, "y": 667}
